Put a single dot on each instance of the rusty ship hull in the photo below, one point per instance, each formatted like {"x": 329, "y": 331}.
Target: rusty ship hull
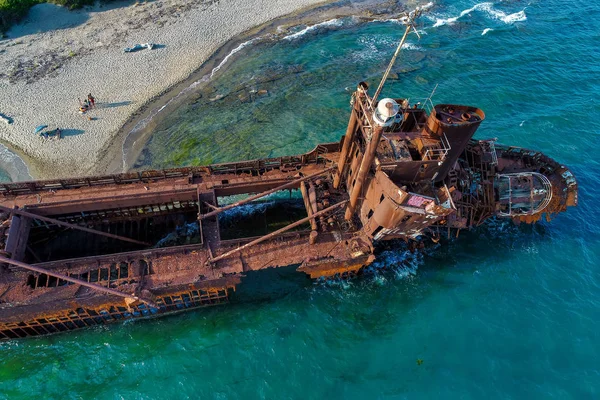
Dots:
{"x": 399, "y": 198}
{"x": 88, "y": 251}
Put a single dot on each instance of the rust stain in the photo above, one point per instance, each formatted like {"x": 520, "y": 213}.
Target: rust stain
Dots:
{"x": 399, "y": 172}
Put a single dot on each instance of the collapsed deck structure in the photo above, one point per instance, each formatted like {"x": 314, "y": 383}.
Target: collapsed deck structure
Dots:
{"x": 87, "y": 251}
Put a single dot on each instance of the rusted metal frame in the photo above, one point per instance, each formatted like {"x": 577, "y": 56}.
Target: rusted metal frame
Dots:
{"x": 263, "y": 194}
{"x": 67, "y": 225}
{"x": 348, "y": 140}
{"x": 32, "y": 187}
{"x": 199, "y": 213}
{"x": 277, "y": 232}
{"x": 70, "y": 279}
{"x": 363, "y": 171}
{"x": 122, "y": 257}
{"x": 307, "y": 204}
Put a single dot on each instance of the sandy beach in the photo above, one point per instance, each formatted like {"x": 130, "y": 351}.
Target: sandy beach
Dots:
{"x": 56, "y": 57}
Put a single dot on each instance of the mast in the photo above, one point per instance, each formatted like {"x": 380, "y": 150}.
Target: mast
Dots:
{"x": 409, "y": 21}
{"x": 389, "y": 109}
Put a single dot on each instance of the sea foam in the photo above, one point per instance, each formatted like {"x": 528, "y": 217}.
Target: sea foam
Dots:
{"x": 332, "y": 22}
{"x": 488, "y": 8}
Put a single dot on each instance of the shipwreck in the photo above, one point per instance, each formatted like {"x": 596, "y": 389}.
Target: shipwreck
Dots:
{"x": 82, "y": 252}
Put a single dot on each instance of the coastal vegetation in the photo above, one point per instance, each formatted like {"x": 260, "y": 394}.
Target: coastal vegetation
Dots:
{"x": 12, "y": 11}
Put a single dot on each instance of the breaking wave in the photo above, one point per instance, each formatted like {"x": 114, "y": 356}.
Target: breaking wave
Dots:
{"x": 403, "y": 264}
{"x": 487, "y": 8}
{"x": 486, "y": 30}
{"x": 332, "y": 22}
{"x": 232, "y": 52}
{"x": 411, "y": 46}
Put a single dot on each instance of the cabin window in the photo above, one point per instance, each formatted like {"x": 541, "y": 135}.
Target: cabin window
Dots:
{"x": 381, "y": 198}
{"x": 370, "y": 214}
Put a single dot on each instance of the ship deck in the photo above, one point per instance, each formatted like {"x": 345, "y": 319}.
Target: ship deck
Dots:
{"x": 146, "y": 206}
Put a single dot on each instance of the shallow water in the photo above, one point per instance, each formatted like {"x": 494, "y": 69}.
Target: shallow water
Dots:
{"x": 502, "y": 312}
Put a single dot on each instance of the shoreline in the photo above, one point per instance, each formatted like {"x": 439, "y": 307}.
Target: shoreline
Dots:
{"x": 108, "y": 158}
{"x": 113, "y": 161}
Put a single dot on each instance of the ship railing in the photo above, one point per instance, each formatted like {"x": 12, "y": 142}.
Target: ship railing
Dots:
{"x": 256, "y": 167}
{"x": 439, "y": 153}
{"x": 533, "y": 209}
{"x": 489, "y": 146}
{"x": 425, "y": 103}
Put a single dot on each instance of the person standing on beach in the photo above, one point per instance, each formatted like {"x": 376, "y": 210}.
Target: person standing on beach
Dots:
{"x": 91, "y": 100}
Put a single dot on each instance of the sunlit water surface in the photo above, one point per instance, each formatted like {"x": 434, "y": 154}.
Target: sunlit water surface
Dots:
{"x": 502, "y": 312}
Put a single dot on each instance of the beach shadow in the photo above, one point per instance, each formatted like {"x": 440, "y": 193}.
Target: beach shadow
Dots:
{"x": 113, "y": 105}
{"x": 6, "y": 119}
{"x": 71, "y": 132}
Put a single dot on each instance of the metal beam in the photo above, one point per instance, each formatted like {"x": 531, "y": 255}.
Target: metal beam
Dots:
{"x": 70, "y": 279}
{"x": 277, "y": 232}
{"x": 263, "y": 194}
{"x": 72, "y": 226}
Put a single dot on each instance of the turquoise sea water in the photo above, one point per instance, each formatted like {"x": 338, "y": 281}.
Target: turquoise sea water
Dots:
{"x": 502, "y": 312}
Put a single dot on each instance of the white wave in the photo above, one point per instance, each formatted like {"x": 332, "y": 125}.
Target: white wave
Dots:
{"x": 231, "y": 53}
{"x": 452, "y": 20}
{"x": 426, "y": 7}
{"x": 402, "y": 262}
{"x": 489, "y": 9}
{"x": 516, "y": 17}
{"x": 486, "y": 30}
{"x": 310, "y": 28}
{"x": 411, "y": 46}
{"x": 501, "y": 15}
{"x": 14, "y": 165}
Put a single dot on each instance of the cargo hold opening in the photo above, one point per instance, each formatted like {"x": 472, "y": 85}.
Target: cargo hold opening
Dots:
{"x": 160, "y": 225}
{"x": 262, "y": 216}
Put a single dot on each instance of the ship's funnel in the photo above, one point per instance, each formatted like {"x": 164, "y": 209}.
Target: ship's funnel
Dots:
{"x": 386, "y": 109}
{"x": 458, "y": 124}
